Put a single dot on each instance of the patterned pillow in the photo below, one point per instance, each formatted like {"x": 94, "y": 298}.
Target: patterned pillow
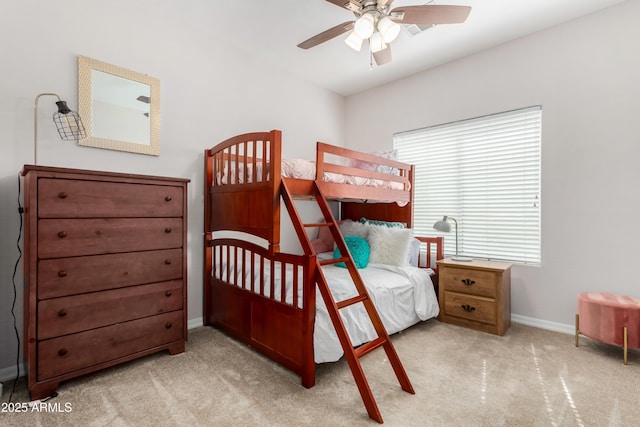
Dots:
{"x": 387, "y": 224}
{"x": 359, "y": 250}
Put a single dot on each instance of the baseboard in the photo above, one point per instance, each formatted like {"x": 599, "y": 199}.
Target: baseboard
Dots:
{"x": 9, "y": 374}
{"x": 195, "y": 323}
{"x": 544, "y": 324}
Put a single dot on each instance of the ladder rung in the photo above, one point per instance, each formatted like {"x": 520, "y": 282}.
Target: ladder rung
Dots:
{"x": 351, "y": 301}
{"x": 370, "y": 346}
{"x": 318, "y": 224}
{"x": 332, "y": 261}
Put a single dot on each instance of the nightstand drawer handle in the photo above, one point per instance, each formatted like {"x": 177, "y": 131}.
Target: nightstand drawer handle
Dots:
{"x": 168, "y": 325}
{"x": 62, "y": 234}
{"x": 62, "y": 195}
{"x": 62, "y": 352}
{"x": 168, "y": 198}
{"x": 167, "y": 261}
{"x": 168, "y": 293}
{"x": 468, "y": 282}
{"x": 62, "y": 313}
{"x": 468, "y": 308}
{"x": 62, "y": 273}
{"x": 167, "y": 230}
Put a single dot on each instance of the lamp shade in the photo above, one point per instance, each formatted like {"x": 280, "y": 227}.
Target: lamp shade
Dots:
{"x": 67, "y": 122}
{"x": 388, "y": 29}
{"x": 376, "y": 42}
{"x": 442, "y": 225}
{"x": 354, "y": 41}
{"x": 364, "y": 26}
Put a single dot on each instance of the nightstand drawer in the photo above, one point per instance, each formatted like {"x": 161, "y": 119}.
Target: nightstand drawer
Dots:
{"x": 474, "y": 282}
{"x": 479, "y": 309}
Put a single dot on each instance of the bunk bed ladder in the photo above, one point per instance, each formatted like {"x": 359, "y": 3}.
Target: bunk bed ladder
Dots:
{"x": 352, "y": 354}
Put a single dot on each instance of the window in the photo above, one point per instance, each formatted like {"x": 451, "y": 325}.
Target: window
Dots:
{"x": 485, "y": 172}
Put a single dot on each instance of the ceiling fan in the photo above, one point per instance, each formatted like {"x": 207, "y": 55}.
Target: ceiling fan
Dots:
{"x": 380, "y": 25}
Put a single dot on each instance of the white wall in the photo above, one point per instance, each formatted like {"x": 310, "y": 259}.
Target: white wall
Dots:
{"x": 209, "y": 91}
{"x": 585, "y": 74}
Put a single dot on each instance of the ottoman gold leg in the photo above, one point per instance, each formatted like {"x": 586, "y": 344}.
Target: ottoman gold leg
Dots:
{"x": 577, "y": 328}
{"x": 624, "y": 334}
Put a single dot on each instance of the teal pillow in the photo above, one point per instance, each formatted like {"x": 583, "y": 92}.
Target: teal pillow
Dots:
{"x": 359, "y": 250}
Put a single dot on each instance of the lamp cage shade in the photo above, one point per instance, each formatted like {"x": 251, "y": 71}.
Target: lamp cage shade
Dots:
{"x": 68, "y": 122}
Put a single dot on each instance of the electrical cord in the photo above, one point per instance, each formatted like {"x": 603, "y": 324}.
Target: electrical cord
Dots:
{"x": 15, "y": 291}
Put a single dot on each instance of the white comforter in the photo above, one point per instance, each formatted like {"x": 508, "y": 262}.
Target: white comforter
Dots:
{"x": 402, "y": 295}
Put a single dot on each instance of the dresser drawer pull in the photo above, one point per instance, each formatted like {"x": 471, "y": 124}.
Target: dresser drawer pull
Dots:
{"x": 168, "y": 325}
{"x": 168, "y": 293}
{"x": 468, "y": 282}
{"x": 62, "y": 352}
{"x": 62, "y": 273}
{"x": 167, "y": 230}
{"x": 468, "y": 308}
{"x": 167, "y": 261}
{"x": 62, "y": 195}
{"x": 168, "y": 198}
{"x": 62, "y": 234}
{"x": 62, "y": 313}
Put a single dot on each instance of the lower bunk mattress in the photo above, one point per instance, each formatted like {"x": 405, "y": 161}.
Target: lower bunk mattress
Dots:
{"x": 403, "y": 297}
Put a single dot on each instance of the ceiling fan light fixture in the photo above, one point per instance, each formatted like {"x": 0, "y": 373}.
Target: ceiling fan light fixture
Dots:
{"x": 354, "y": 41}
{"x": 376, "y": 42}
{"x": 388, "y": 29}
{"x": 364, "y": 26}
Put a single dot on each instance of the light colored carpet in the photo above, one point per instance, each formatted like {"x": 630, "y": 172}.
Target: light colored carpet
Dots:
{"x": 529, "y": 377}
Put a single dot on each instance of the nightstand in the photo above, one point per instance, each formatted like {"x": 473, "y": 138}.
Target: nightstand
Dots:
{"x": 475, "y": 294}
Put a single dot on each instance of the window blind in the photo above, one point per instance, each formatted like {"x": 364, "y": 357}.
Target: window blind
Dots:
{"x": 485, "y": 172}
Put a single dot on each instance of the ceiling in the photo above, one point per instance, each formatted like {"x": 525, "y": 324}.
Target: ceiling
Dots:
{"x": 270, "y": 30}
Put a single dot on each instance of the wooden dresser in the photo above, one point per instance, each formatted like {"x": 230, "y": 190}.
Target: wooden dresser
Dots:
{"x": 475, "y": 294}
{"x": 105, "y": 271}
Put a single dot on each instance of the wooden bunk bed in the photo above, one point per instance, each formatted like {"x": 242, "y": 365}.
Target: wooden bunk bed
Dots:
{"x": 253, "y": 291}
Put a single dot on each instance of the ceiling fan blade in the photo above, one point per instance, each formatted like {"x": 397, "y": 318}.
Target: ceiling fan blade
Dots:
{"x": 326, "y": 35}
{"x": 430, "y": 14}
{"x": 382, "y": 56}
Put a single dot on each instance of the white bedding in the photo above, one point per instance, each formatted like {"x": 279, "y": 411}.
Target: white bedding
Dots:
{"x": 402, "y": 295}
{"x": 305, "y": 169}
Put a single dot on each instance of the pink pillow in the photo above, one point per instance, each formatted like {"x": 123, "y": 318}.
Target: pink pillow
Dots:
{"x": 324, "y": 242}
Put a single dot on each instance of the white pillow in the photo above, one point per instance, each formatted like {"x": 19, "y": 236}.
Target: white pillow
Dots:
{"x": 354, "y": 228}
{"x": 389, "y": 245}
{"x": 414, "y": 252}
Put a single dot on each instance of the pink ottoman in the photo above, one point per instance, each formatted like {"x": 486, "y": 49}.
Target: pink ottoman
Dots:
{"x": 609, "y": 318}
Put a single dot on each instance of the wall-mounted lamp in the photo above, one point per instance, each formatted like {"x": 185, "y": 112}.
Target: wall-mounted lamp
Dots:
{"x": 68, "y": 122}
{"x": 445, "y": 227}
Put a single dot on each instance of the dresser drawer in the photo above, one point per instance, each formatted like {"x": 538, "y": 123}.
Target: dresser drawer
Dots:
{"x": 74, "y": 237}
{"x": 70, "y": 198}
{"x": 69, "y": 353}
{"x": 59, "y": 277}
{"x": 476, "y": 282}
{"x": 470, "y": 307}
{"x": 67, "y": 315}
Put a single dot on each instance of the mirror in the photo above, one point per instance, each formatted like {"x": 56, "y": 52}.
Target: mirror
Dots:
{"x": 120, "y": 108}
